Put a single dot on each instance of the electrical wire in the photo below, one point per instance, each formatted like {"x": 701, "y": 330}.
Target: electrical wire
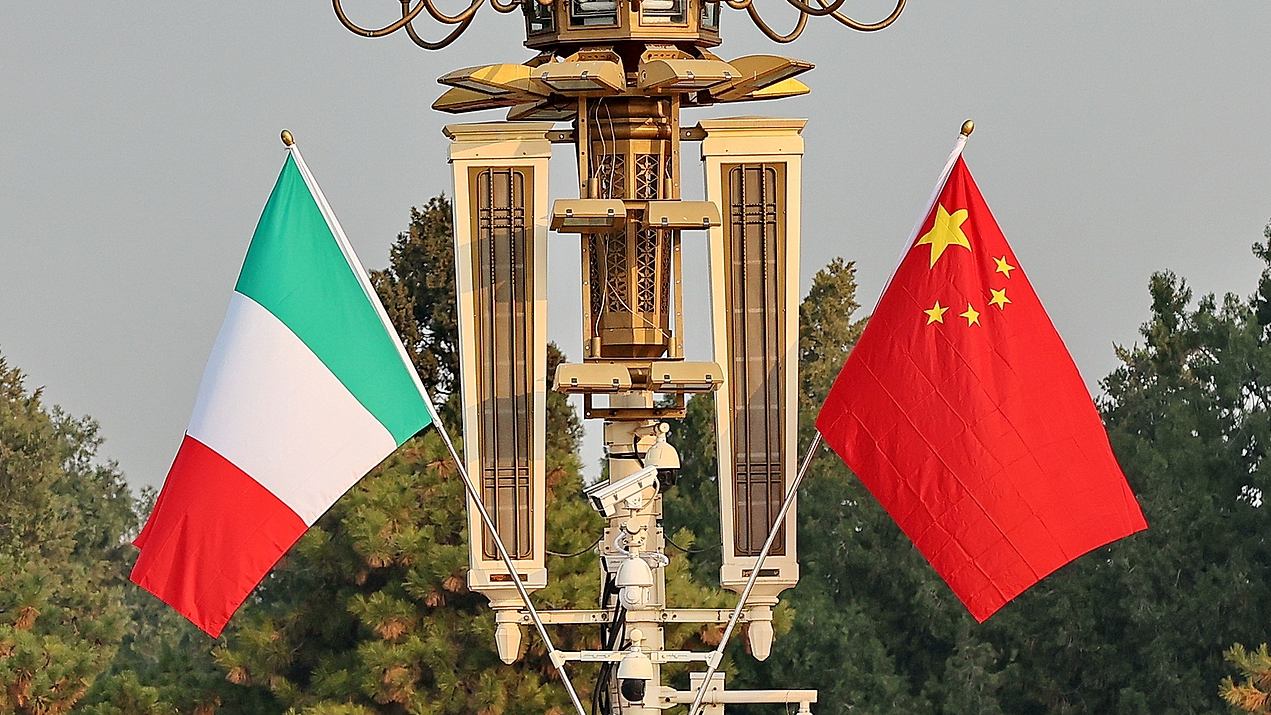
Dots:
{"x": 611, "y": 634}
{"x": 668, "y": 540}
{"x": 576, "y": 553}
{"x": 613, "y": 135}
{"x": 640, "y": 315}
{"x": 597, "y": 163}
{"x": 602, "y": 243}
{"x": 601, "y": 240}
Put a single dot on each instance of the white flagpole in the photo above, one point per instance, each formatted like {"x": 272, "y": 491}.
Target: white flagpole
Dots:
{"x": 558, "y": 660}
{"x": 967, "y": 127}
{"x": 717, "y": 655}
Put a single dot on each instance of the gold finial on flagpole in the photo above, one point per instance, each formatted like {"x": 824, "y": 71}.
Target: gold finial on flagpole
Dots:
{"x": 967, "y": 127}
{"x": 288, "y": 140}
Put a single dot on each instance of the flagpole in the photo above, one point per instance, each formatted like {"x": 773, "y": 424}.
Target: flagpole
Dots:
{"x": 553, "y": 654}
{"x": 717, "y": 656}
{"x": 967, "y": 127}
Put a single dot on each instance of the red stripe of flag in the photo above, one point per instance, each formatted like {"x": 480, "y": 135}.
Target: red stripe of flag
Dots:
{"x": 214, "y": 534}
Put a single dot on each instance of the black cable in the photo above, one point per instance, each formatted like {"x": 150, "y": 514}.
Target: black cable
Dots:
{"x": 577, "y": 553}
{"x": 610, "y": 668}
{"x": 599, "y": 703}
{"x": 600, "y": 695}
{"x": 610, "y": 638}
{"x": 687, "y": 551}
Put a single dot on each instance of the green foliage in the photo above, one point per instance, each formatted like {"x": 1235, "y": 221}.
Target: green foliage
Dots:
{"x": 1187, "y": 413}
{"x": 164, "y": 665}
{"x": 1251, "y": 695}
{"x": 828, "y": 329}
{"x": 62, "y": 527}
{"x": 418, "y": 291}
{"x": 692, "y": 505}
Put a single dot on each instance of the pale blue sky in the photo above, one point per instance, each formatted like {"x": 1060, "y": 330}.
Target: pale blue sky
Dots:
{"x": 138, "y": 142}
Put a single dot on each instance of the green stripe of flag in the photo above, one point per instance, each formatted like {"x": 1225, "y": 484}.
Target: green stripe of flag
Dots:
{"x": 295, "y": 270}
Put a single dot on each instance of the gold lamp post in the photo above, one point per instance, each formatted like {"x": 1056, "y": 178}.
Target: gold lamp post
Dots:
{"x": 620, "y": 73}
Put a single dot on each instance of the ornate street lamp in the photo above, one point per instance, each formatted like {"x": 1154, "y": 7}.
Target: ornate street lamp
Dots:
{"x": 620, "y": 72}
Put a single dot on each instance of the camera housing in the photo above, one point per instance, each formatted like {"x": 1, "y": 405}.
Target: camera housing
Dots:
{"x": 635, "y": 670}
{"x": 664, "y": 457}
{"x": 626, "y": 493}
{"x": 634, "y": 579}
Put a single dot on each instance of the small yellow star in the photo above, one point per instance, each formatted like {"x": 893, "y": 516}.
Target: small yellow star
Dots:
{"x": 945, "y": 232}
{"x": 971, "y": 315}
{"x": 1003, "y": 266}
{"x": 936, "y": 314}
{"x": 999, "y": 298}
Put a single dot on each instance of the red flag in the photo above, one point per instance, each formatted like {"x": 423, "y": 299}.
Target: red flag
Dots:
{"x": 962, "y": 411}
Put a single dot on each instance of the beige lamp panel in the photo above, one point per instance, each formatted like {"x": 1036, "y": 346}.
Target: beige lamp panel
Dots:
{"x": 753, "y": 168}
{"x": 501, "y": 213}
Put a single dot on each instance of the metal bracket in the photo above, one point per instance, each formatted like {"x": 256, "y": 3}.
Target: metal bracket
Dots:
{"x": 661, "y": 615}
{"x": 670, "y": 697}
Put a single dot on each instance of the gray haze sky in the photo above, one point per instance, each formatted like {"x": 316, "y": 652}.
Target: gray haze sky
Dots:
{"x": 139, "y": 141}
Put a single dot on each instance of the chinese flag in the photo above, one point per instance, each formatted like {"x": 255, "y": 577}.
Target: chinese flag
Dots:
{"x": 962, "y": 411}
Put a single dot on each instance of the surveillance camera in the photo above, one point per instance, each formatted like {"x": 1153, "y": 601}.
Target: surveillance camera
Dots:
{"x": 664, "y": 457}
{"x": 633, "y": 689}
{"x": 634, "y": 579}
{"x": 635, "y": 670}
{"x": 626, "y": 493}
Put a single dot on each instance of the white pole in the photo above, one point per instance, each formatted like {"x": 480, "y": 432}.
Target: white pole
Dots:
{"x": 558, "y": 659}
{"x": 718, "y": 654}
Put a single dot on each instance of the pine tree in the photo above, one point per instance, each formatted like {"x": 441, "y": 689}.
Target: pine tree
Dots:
{"x": 418, "y": 291}
{"x": 63, "y": 522}
{"x": 1253, "y": 694}
{"x": 164, "y": 665}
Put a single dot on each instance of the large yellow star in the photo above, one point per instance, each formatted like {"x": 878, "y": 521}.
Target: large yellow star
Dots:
{"x": 936, "y": 314}
{"x": 1003, "y": 266}
{"x": 971, "y": 315}
{"x": 945, "y": 232}
{"x": 999, "y": 298}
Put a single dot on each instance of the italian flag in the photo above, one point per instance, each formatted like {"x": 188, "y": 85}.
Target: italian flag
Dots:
{"x": 307, "y": 389}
